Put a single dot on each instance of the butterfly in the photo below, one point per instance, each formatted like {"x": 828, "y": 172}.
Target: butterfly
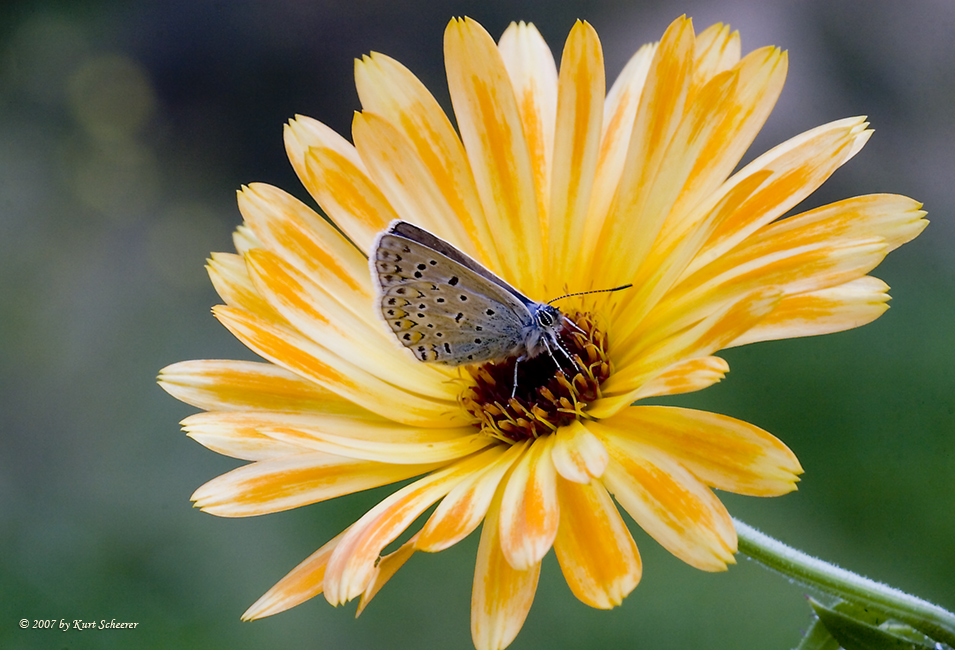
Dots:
{"x": 448, "y": 308}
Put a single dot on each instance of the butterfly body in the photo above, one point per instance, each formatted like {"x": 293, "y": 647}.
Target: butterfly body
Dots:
{"x": 447, "y": 308}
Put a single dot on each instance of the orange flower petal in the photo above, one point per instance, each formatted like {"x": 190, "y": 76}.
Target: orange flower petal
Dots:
{"x": 306, "y": 359}
{"x": 464, "y": 442}
{"x": 339, "y": 182}
{"x": 219, "y": 385}
{"x": 255, "y": 435}
{"x": 620, "y": 109}
{"x": 597, "y": 555}
{"x": 725, "y": 324}
{"x": 303, "y": 582}
{"x": 231, "y": 279}
{"x": 489, "y": 120}
{"x": 240, "y": 434}
{"x": 671, "y": 504}
{"x": 530, "y": 510}
{"x": 577, "y": 454}
{"x": 660, "y": 113}
{"x": 579, "y": 117}
{"x": 738, "y": 117}
{"x": 797, "y": 168}
{"x": 348, "y": 196}
{"x": 465, "y": 506}
{"x": 409, "y": 185}
{"x": 294, "y": 232}
{"x": 502, "y": 595}
{"x": 291, "y": 481}
{"x": 687, "y": 376}
{"x": 387, "y": 566}
{"x": 825, "y": 311}
{"x": 316, "y": 314}
{"x": 790, "y": 267}
{"x": 304, "y": 133}
{"x": 721, "y": 451}
{"x": 245, "y": 240}
{"x": 352, "y": 565}
{"x": 716, "y": 49}
{"x": 891, "y": 218}
{"x": 533, "y": 73}
{"x": 390, "y": 90}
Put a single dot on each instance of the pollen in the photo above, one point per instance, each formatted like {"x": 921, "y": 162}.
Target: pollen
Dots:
{"x": 551, "y": 391}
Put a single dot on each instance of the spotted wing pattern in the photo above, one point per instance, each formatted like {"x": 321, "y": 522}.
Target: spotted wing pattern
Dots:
{"x": 441, "y": 304}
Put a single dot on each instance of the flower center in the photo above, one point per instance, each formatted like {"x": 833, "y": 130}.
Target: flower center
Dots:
{"x": 551, "y": 391}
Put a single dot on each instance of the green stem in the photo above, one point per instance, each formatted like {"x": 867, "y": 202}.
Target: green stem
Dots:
{"x": 931, "y": 620}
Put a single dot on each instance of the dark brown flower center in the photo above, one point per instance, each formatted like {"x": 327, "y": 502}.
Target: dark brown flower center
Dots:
{"x": 551, "y": 391}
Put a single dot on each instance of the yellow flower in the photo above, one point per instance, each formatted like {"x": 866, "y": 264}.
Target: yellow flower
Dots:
{"x": 557, "y": 186}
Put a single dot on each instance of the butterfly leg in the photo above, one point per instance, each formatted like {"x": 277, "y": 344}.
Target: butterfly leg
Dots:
{"x": 517, "y": 361}
{"x": 563, "y": 351}
{"x": 574, "y": 325}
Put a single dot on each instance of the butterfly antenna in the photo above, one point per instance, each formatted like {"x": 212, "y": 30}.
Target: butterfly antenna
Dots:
{"x": 584, "y": 293}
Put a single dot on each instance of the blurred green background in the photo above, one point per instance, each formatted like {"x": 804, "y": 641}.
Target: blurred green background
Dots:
{"x": 125, "y": 129}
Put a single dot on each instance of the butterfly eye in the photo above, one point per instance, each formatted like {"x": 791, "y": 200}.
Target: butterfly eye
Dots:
{"x": 546, "y": 316}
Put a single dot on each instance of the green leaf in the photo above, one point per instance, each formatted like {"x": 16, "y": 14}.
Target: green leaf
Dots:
{"x": 856, "y": 628}
{"x": 817, "y": 637}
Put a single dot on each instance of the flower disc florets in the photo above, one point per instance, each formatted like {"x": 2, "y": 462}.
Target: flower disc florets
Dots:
{"x": 547, "y": 396}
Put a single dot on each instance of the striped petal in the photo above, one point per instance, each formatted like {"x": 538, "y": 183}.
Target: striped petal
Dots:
{"x": 658, "y": 117}
{"x": 219, "y": 385}
{"x": 577, "y": 454}
{"x": 721, "y": 451}
{"x": 387, "y": 566}
{"x": 352, "y": 565}
{"x": 825, "y": 311}
{"x": 502, "y": 595}
{"x": 620, "y": 109}
{"x": 304, "y": 133}
{"x": 397, "y": 169}
{"x": 348, "y": 195}
{"x": 355, "y": 434}
{"x": 315, "y": 363}
{"x": 490, "y": 124}
{"x": 797, "y": 168}
{"x": 530, "y": 510}
{"x": 231, "y": 279}
{"x": 639, "y": 307}
{"x": 533, "y": 73}
{"x": 825, "y": 248}
{"x": 464, "y": 443}
{"x": 464, "y": 508}
{"x": 891, "y": 218}
{"x": 633, "y": 240}
{"x": 688, "y": 376}
{"x": 293, "y": 481}
{"x": 316, "y": 314}
{"x": 716, "y": 49}
{"x": 671, "y": 504}
{"x": 240, "y": 434}
{"x": 597, "y": 555}
{"x": 331, "y": 170}
{"x": 736, "y": 116}
{"x": 294, "y": 232}
{"x": 579, "y": 119}
{"x": 789, "y": 266}
{"x": 245, "y": 240}
{"x": 390, "y": 90}
{"x": 303, "y": 582}
{"x": 713, "y": 333}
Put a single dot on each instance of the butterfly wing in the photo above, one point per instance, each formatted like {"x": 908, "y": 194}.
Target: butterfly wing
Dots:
{"x": 443, "y": 305}
{"x": 422, "y": 236}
